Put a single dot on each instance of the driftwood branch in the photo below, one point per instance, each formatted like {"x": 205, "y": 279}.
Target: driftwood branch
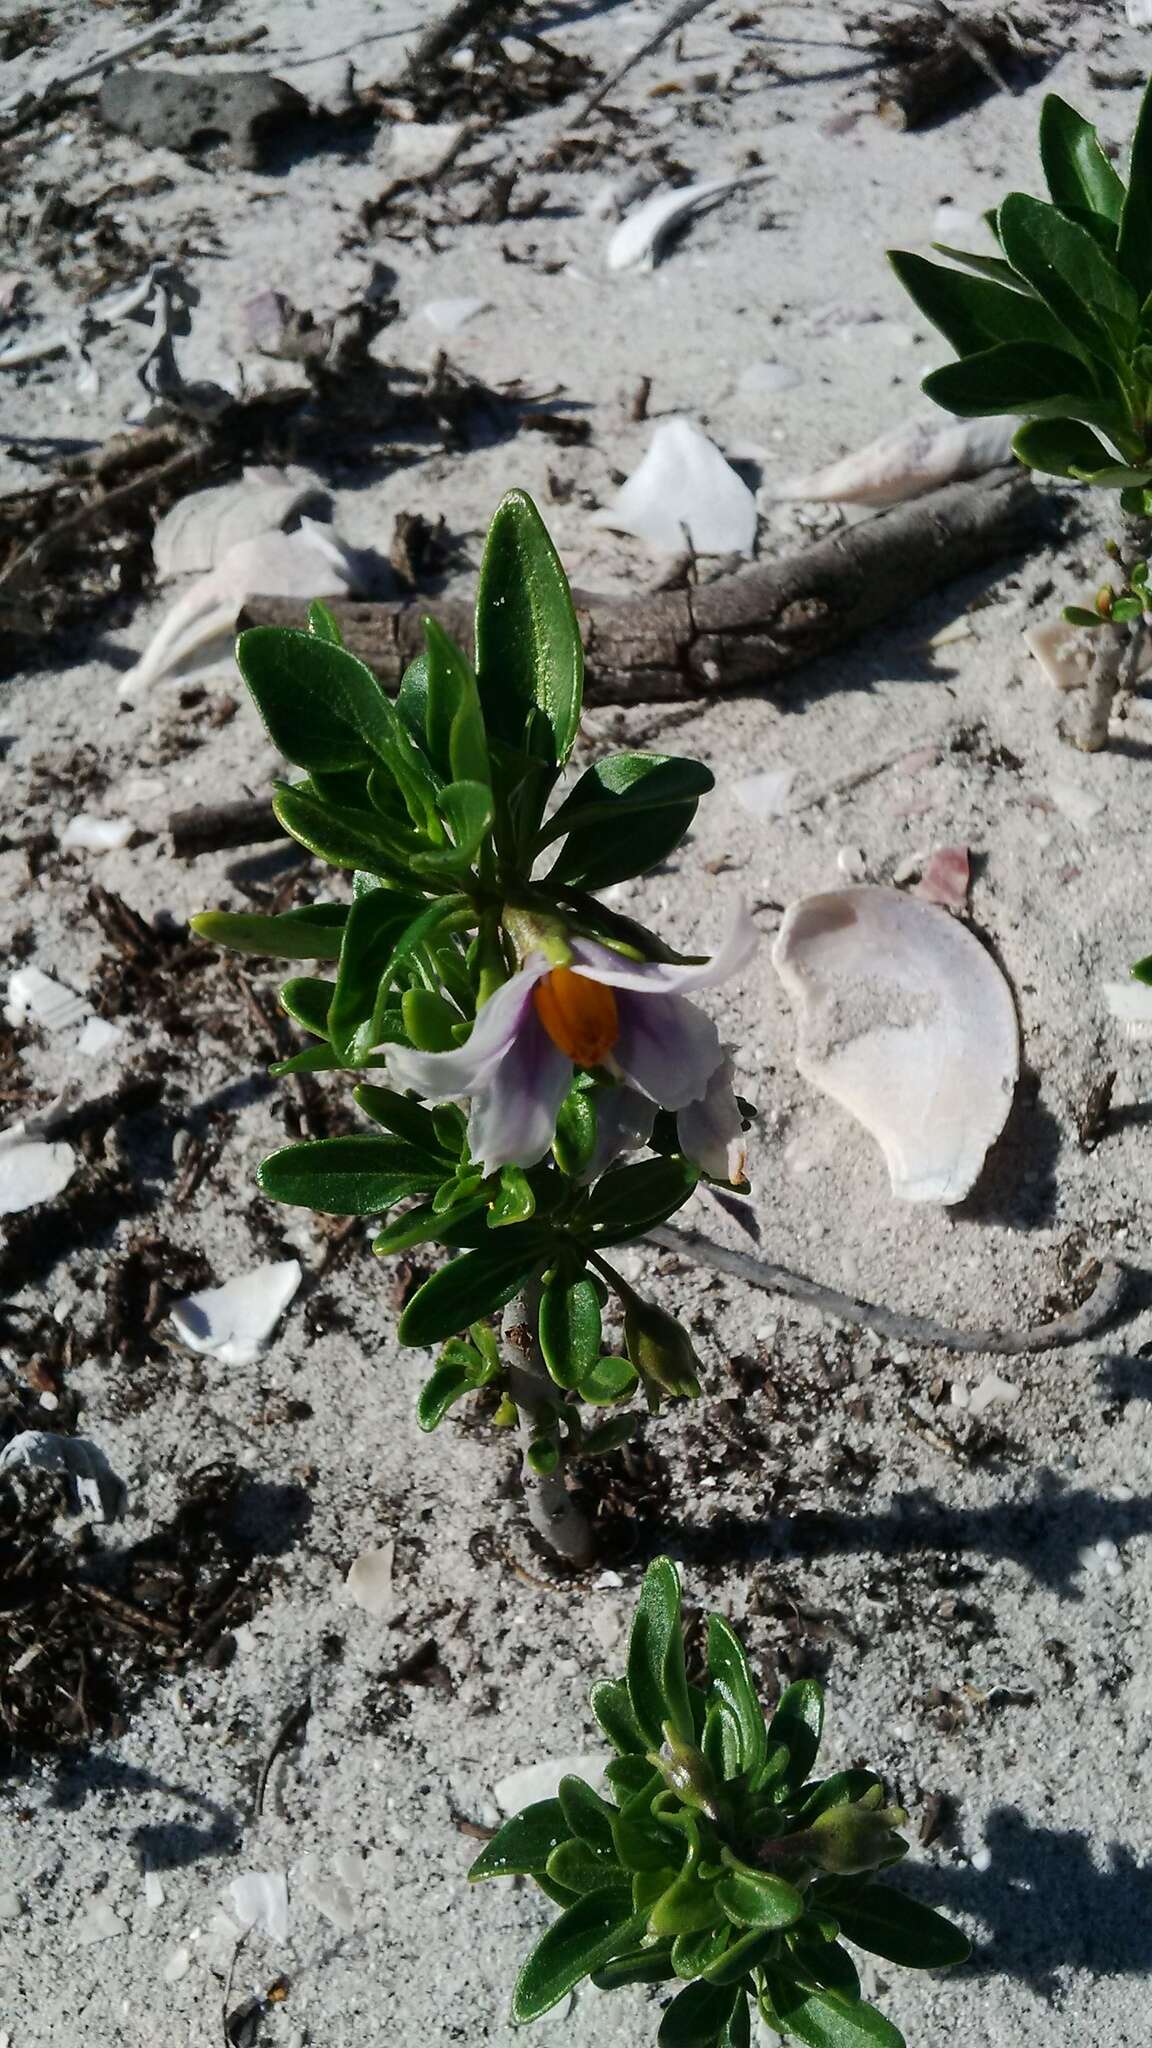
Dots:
{"x": 1092, "y": 1316}
{"x": 743, "y": 630}
{"x": 453, "y": 28}
{"x": 211, "y": 828}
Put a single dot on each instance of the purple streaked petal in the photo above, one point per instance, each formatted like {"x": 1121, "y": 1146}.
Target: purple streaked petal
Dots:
{"x": 667, "y": 1048}
{"x": 624, "y": 1122}
{"x": 711, "y": 1130}
{"x": 514, "y": 1111}
{"x": 658, "y": 977}
{"x": 445, "y": 1076}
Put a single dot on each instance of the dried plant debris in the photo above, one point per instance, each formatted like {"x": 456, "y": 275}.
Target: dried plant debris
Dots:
{"x": 86, "y": 1629}
{"x": 183, "y": 111}
{"x": 939, "y": 58}
{"x": 504, "y": 80}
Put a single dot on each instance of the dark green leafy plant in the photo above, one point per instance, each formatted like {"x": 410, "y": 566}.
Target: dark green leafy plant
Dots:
{"x": 512, "y": 1039}
{"x": 1058, "y": 329}
{"x": 717, "y": 1863}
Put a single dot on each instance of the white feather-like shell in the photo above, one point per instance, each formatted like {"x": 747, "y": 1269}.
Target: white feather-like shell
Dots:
{"x": 906, "y": 1021}
{"x": 637, "y": 242}
{"x": 922, "y": 455}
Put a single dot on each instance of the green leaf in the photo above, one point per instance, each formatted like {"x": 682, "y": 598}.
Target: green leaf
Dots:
{"x": 613, "y": 1710}
{"x": 738, "y": 2032}
{"x": 992, "y": 267}
{"x": 745, "y": 1952}
{"x": 625, "y": 815}
{"x": 452, "y": 718}
{"x": 843, "y": 1788}
{"x": 466, "y": 808}
{"x": 598, "y": 1927}
{"x": 346, "y": 839}
{"x": 307, "y": 998}
{"x": 697, "y": 2016}
{"x": 1077, "y": 172}
{"x": 404, "y": 1118}
{"x": 798, "y": 1723}
{"x": 606, "y": 1381}
{"x": 1126, "y": 610}
{"x": 523, "y": 1845}
{"x": 826, "y": 2019}
{"x": 826, "y": 1964}
{"x": 1142, "y": 970}
{"x": 1077, "y": 615}
{"x": 357, "y": 1176}
{"x": 1021, "y": 377}
{"x": 376, "y": 924}
{"x": 429, "y": 1020}
{"x": 448, "y": 1384}
{"x": 322, "y": 623}
{"x": 973, "y": 313}
{"x": 569, "y": 1329}
{"x": 657, "y": 1684}
{"x": 1066, "y": 266}
{"x": 475, "y": 1285}
{"x": 575, "y": 1866}
{"x": 528, "y": 652}
{"x": 732, "y": 1680}
{"x": 515, "y": 1201}
{"x": 631, "y": 1200}
{"x": 1134, "y": 248}
{"x": 692, "y": 1953}
{"x": 322, "y": 707}
{"x": 575, "y": 1138}
{"x": 641, "y": 1966}
{"x": 753, "y": 1899}
{"x": 309, "y": 934}
{"x": 1059, "y": 447}
{"x": 588, "y": 1816}
{"x": 426, "y": 1223}
{"x": 887, "y": 1923}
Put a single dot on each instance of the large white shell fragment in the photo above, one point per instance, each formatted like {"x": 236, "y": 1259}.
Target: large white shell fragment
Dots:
{"x": 1131, "y": 1004}
{"x": 542, "y": 1781}
{"x": 233, "y": 1323}
{"x": 448, "y": 316}
{"x": 32, "y": 1170}
{"x": 259, "y": 1898}
{"x": 96, "y": 1489}
{"x": 35, "y": 998}
{"x": 199, "y": 530}
{"x": 684, "y": 490}
{"x": 87, "y": 834}
{"x": 922, "y": 455}
{"x": 904, "y": 1019}
{"x": 637, "y": 242}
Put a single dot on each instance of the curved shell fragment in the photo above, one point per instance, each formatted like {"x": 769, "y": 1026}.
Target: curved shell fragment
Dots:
{"x": 922, "y": 455}
{"x": 640, "y": 237}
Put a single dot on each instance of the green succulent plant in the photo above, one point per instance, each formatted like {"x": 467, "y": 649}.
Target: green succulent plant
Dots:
{"x": 716, "y": 1862}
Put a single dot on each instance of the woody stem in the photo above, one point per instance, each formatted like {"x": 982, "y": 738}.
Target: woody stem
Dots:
{"x": 551, "y": 1509}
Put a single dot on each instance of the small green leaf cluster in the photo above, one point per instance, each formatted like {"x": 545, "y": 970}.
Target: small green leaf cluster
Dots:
{"x": 717, "y": 1861}
{"x": 436, "y": 803}
{"x": 1058, "y": 326}
{"x": 1112, "y": 606}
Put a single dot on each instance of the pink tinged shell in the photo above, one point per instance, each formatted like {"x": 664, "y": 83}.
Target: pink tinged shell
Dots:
{"x": 946, "y": 877}
{"x": 906, "y": 1021}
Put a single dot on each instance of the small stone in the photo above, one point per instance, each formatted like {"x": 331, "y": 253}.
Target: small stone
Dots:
{"x": 99, "y": 1923}
{"x": 178, "y": 1964}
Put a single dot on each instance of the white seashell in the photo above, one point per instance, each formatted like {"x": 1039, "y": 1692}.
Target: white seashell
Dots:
{"x": 98, "y": 1037}
{"x": 542, "y": 1781}
{"x": 637, "y": 242}
{"x": 307, "y": 564}
{"x": 233, "y": 1323}
{"x": 904, "y": 1019}
{"x": 97, "y": 835}
{"x": 767, "y": 794}
{"x": 989, "y": 1391}
{"x": 922, "y": 455}
{"x": 32, "y": 1170}
{"x": 684, "y": 491}
{"x": 35, "y": 998}
{"x": 369, "y": 1581}
{"x": 259, "y": 1899}
{"x": 447, "y": 316}
{"x": 1131, "y": 1004}
{"x": 418, "y": 149}
{"x": 98, "y": 1923}
{"x": 198, "y": 531}
{"x": 96, "y": 1488}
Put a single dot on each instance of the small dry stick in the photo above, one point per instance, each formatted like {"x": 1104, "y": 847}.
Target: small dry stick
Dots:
{"x": 681, "y": 15}
{"x": 551, "y": 1509}
{"x": 962, "y": 34}
{"x": 1092, "y": 1315}
{"x": 212, "y": 828}
{"x": 453, "y": 28}
{"x": 284, "y": 1733}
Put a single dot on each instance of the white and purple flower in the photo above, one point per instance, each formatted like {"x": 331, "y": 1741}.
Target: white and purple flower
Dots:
{"x": 600, "y": 1009}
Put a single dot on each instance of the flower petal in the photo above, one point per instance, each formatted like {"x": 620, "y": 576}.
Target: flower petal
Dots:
{"x": 667, "y": 1048}
{"x": 659, "y": 977}
{"x": 711, "y": 1130}
{"x": 445, "y": 1076}
{"x": 514, "y": 1109}
{"x": 624, "y": 1122}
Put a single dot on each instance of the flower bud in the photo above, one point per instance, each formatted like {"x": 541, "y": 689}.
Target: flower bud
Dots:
{"x": 849, "y": 1839}
{"x": 687, "y": 1773}
{"x": 660, "y": 1350}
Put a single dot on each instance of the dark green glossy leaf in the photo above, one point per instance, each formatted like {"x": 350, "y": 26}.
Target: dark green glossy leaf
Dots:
{"x": 358, "y": 1176}
{"x": 404, "y": 1118}
{"x": 697, "y": 2016}
{"x": 308, "y": 999}
{"x": 466, "y": 808}
{"x": 323, "y": 708}
{"x": 575, "y": 1139}
{"x": 1059, "y": 447}
{"x": 452, "y": 720}
{"x": 825, "y": 2019}
{"x": 843, "y": 1788}
{"x": 315, "y": 1059}
{"x": 1077, "y": 172}
{"x": 625, "y": 815}
{"x": 346, "y": 839}
{"x": 745, "y": 1952}
{"x": 578, "y": 1867}
{"x": 587, "y": 1936}
{"x": 657, "y": 1685}
{"x": 732, "y": 1680}
{"x": 992, "y": 267}
{"x": 569, "y": 1329}
{"x": 640, "y": 1966}
{"x": 514, "y": 1201}
{"x": 323, "y": 624}
{"x": 523, "y": 1845}
{"x": 972, "y": 312}
{"x": 606, "y": 1381}
{"x": 310, "y": 934}
{"x": 1134, "y": 248}
{"x": 376, "y": 924}
{"x": 754, "y": 1899}
{"x": 1019, "y": 377}
{"x": 692, "y": 1953}
{"x": 448, "y": 1384}
{"x": 475, "y": 1285}
{"x": 1066, "y": 266}
{"x": 631, "y": 1200}
{"x": 798, "y": 1723}
{"x": 607, "y": 1436}
{"x": 827, "y": 1964}
{"x": 1142, "y": 970}
{"x": 528, "y": 652}
{"x": 426, "y": 1224}
{"x": 1077, "y": 615}
{"x": 613, "y": 1709}
{"x": 588, "y": 1816}
{"x": 887, "y": 1923}
{"x": 738, "y": 2032}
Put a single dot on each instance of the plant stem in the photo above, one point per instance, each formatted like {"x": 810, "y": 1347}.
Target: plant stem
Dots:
{"x": 1103, "y": 683}
{"x": 551, "y": 1509}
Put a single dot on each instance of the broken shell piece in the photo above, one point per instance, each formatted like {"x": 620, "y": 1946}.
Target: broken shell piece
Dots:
{"x": 684, "y": 487}
{"x": 234, "y": 1322}
{"x": 447, "y": 316}
{"x": 96, "y": 1489}
{"x": 1131, "y": 1004}
{"x": 259, "y": 1899}
{"x": 1067, "y": 653}
{"x": 35, "y": 998}
{"x": 32, "y": 1170}
{"x": 310, "y": 563}
{"x": 199, "y": 530}
{"x": 97, "y": 835}
{"x": 418, "y": 149}
{"x": 946, "y": 877}
{"x": 637, "y": 242}
{"x": 904, "y": 1019}
{"x": 922, "y": 455}
{"x": 370, "y": 1581}
{"x": 541, "y": 1781}
{"x": 766, "y": 380}
{"x": 767, "y": 794}
{"x": 98, "y": 1037}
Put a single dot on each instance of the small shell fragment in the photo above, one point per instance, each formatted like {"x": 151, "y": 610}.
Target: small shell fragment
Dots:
{"x": 234, "y": 1322}
{"x": 32, "y": 1170}
{"x": 1130, "y": 1002}
{"x": 946, "y": 877}
{"x": 35, "y": 998}
{"x": 369, "y": 1581}
{"x": 906, "y": 1021}
{"x": 199, "y": 530}
{"x": 97, "y": 835}
{"x": 922, "y": 455}
{"x": 448, "y": 316}
{"x": 684, "y": 490}
{"x": 259, "y": 1898}
{"x": 638, "y": 241}
{"x": 541, "y": 1781}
